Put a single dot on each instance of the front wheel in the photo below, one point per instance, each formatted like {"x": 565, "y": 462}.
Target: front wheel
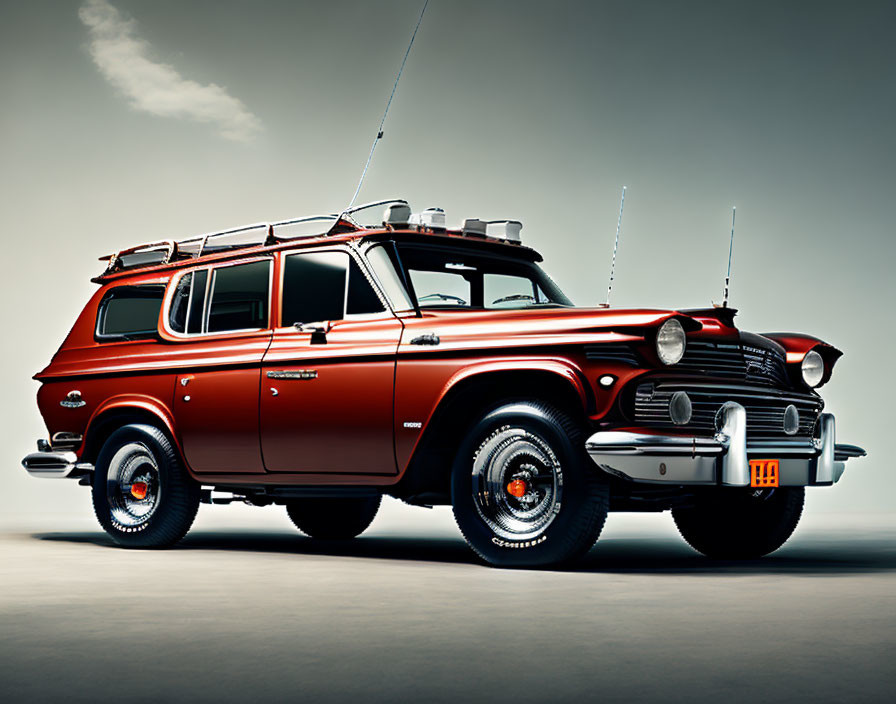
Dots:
{"x": 522, "y": 489}
{"x": 740, "y": 524}
{"x": 142, "y": 495}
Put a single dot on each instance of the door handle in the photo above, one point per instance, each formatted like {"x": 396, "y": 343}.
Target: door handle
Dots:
{"x": 429, "y": 338}
{"x": 292, "y": 374}
{"x": 318, "y": 332}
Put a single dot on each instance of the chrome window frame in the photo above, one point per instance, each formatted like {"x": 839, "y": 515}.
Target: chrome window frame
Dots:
{"x": 350, "y": 250}
{"x": 412, "y": 298}
{"x": 106, "y": 339}
{"x": 211, "y": 267}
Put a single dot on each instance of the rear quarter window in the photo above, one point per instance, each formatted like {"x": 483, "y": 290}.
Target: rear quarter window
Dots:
{"x": 129, "y": 313}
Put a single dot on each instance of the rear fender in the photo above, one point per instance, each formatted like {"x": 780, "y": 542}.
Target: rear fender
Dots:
{"x": 123, "y": 409}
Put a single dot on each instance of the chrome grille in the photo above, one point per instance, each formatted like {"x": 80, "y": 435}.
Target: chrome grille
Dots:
{"x": 765, "y": 408}
{"x": 737, "y": 361}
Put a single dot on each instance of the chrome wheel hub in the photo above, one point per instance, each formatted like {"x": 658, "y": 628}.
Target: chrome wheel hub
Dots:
{"x": 517, "y": 483}
{"x": 132, "y": 485}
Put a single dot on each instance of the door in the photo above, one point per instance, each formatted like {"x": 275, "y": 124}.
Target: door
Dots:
{"x": 219, "y": 320}
{"x": 328, "y": 378}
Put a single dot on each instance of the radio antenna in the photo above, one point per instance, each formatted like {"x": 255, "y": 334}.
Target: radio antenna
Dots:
{"x": 730, "y": 250}
{"x": 379, "y": 132}
{"x": 615, "y": 248}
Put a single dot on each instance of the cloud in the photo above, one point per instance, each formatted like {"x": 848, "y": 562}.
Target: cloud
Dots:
{"x": 124, "y": 60}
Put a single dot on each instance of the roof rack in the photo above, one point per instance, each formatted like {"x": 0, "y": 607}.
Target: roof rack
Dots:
{"x": 166, "y": 251}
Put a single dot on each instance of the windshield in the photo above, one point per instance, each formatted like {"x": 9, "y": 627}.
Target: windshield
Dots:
{"x": 454, "y": 277}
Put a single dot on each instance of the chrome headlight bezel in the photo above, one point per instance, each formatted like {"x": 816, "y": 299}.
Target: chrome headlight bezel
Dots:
{"x": 812, "y": 369}
{"x": 671, "y": 342}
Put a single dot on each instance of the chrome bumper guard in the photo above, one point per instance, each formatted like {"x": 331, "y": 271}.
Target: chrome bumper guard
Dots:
{"x": 723, "y": 459}
{"x": 55, "y": 464}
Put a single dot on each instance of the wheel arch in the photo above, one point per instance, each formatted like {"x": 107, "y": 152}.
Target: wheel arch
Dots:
{"x": 469, "y": 394}
{"x": 126, "y": 410}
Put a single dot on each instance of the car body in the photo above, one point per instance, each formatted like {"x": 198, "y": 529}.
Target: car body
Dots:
{"x": 347, "y": 363}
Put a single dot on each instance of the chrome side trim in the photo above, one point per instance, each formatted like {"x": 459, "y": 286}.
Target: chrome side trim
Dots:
{"x": 288, "y": 374}
{"x": 54, "y": 464}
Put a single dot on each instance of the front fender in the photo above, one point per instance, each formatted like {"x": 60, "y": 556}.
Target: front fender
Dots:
{"x": 425, "y": 386}
{"x": 797, "y": 346}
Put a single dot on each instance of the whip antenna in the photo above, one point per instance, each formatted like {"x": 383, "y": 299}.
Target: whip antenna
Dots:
{"x": 379, "y": 132}
{"x": 730, "y": 250}
{"x": 615, "y": 247}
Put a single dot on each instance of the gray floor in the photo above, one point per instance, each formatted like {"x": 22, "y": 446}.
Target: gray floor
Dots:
{"x": 403, "y": 614}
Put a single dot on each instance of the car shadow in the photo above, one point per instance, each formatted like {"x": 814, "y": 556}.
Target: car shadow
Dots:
{"x": 814, "y": 554}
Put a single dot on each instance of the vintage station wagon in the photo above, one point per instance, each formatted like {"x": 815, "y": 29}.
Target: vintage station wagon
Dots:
{"x": 320, "y": 363}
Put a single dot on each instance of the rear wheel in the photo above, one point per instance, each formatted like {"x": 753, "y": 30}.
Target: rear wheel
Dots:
{"x": 142, "y": 495}
{"x": 523, "y": 492}
{"x": 740, "y": 524}
{"x": 333, "y": 518}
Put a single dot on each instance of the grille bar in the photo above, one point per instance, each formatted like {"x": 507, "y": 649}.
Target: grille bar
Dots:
{"x": 765, "y": 408}
{"x": 737, "y": 361}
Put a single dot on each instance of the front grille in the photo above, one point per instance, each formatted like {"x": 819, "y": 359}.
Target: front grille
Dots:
{"x": 737, "y": 361}
{"x": 765, "y": 408}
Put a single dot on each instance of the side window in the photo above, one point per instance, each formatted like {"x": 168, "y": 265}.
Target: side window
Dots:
{"x": 362, "y": 299}
{"x": 320, "y": 286}
{"x": 180, "y": 303}
{"x": 386, "y": 271}
{"x": 238, "y": 297}
{"x": 130, "y": 313}
{"x": 188, "y": 302}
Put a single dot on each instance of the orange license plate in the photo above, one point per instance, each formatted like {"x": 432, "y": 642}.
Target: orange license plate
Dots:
{"x": 764, "y": 473}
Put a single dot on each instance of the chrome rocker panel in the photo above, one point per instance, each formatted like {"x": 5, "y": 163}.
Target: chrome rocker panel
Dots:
{"x": 55, "y": 464}
{"x": 723, "y": 459}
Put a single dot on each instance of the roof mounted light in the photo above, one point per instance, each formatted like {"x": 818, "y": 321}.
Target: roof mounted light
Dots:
{"x": 505, "y": 229}
{"x": 397, "y": 215}
{"x": 474, "y": 226}
{"x": 432, "y": 218}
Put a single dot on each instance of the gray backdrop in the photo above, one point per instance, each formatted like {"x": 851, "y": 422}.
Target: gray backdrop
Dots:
{"x": 535, "y": 111}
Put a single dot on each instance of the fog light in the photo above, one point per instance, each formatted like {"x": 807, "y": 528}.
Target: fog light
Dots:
{"x": 791, "y": 420}
{"x": 607, "y": 380}
{"x": 680, "y": 408}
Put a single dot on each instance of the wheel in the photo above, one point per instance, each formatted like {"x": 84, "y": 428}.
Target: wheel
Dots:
{"x": 333, "y": 518}
{"x": 739, "y": 524}
{"x": 523, "y": 491}
{"x": 142, "y": 495}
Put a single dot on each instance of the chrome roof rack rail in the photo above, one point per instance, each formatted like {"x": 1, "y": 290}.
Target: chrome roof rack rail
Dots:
{"x": 267, "y": 233}
{"x": 167, "y": 248}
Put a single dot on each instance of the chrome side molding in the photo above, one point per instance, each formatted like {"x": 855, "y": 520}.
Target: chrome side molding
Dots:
{"x": 290, "y": 374}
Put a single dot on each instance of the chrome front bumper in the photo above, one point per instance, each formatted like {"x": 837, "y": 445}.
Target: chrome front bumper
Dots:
{"x": 55, "y": 464}
{"x": 723, "y": 459}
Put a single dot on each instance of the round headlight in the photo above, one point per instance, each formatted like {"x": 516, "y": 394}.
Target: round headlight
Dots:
{"x": 670, "y": 342}
{"x": 812, "y": 369}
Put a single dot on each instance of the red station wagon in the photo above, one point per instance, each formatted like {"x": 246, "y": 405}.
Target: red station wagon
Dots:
{"x": 319, "y": 364}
